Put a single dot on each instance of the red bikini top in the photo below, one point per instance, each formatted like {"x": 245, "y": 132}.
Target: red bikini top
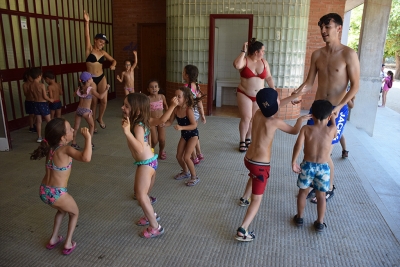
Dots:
{"x": 247, "y": 73}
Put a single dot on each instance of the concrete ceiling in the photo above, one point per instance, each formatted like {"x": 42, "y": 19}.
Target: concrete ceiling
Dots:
{"x": 350, "y": 4}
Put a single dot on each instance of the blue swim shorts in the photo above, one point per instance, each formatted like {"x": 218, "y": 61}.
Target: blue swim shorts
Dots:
{"x": 341, "y": 120}
{"x": 42, "y": 108}
{"x": 29, "y": 107}
{"x": 55, "y": 105}
{"x": 317, "y": 174}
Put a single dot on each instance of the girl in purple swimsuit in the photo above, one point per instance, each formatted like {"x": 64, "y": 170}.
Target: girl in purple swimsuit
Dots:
{"x": 53, "y": 189}
{"x": 136, "y": 125}
{"x": 85, "y": 93}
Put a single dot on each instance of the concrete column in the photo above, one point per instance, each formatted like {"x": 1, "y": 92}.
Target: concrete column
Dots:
{"x": 345, "y": 28}
{"x": 370, "y": 51}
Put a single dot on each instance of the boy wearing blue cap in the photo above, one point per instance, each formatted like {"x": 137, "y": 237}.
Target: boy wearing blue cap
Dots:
{"x": 258, "y": 155}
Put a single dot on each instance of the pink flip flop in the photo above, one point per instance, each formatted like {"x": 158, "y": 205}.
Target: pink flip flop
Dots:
{"x": 67, "y": 251}
{"x": 50, "y": 246}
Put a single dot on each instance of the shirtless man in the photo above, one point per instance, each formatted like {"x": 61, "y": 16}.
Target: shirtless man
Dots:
{"x": 128, "y": 76}
{"x": 40, "y": 97}
{"x": 336, "y": 65}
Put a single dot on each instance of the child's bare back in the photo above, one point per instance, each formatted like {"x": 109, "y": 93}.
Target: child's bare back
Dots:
{"x": 55, "y": 91}
{"x": 39, "y": 92}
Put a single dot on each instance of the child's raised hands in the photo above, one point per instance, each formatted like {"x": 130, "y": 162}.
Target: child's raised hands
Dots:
{"x": 305, "y": 117}
{"x": 85, "y": 132}
{"x": 86, "y": 15}
{"x": 126, "y": 125}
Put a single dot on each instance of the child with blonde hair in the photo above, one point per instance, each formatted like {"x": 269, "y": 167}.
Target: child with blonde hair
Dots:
{"x": 53, "y": 189}
{"x": 136, "y": 125}
{"x": 157, "y": 105}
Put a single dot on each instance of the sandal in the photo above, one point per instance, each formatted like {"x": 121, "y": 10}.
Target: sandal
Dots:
{"x": 329, "y": 195}
{"x": 200, "y": 156}
{"x": 311, "y": 193}
{"x": 247, "y": 141}
{"x": 345, "y": 154}
{"x": 163, "y": 155}
{"x": 182, "y": 175}
{"x": 144, "y": 221}
{"x": 242, "y": 147}
{"x": 193, "y": 181}
{"x": 195, "y": 161}
{"x": 246, "y": 236}
{"x": 150, "y": 232}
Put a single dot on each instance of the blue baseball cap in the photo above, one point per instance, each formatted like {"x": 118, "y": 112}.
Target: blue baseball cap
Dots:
{"x": 267, "y": 101}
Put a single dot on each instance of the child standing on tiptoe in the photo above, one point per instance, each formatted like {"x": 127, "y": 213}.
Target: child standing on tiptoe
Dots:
{"x": 53, "y": 190}
{"x": 85, "y": 92}
{"x": 189, "y": 75}
{"x": 128, "y": 76}
{"x": 136, "y": 125}
{"x": 157, "y": 104}
{"x": 189, "y": 134}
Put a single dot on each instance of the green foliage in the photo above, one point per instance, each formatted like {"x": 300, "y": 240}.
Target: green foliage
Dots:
{"x": 355, "y": 27}
{"x": 393, "y": 34}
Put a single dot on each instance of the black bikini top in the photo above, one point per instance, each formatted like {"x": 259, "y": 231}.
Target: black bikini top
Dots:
{"x": 93, "y": 59}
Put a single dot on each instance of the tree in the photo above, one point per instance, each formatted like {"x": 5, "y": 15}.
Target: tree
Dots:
{"x": 392, "y": 46}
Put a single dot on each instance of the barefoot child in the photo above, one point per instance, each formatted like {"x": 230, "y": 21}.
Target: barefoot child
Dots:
{"x": 258, "y": 155}
{"x": 55, "y": 91}
{"x": 29, "y": 100}
{"x": 128, "y": 76}
{"x": 53, "y": 190}
{"x": 40, "y": 97}
{"x": 157, "y": 104}
{"x": 136, "y": 126}
{"x": 314, "y": 170}
{"x": 189, "y": 75}
{"x": 85, "y": 93}
{"x": 189, "y": 134}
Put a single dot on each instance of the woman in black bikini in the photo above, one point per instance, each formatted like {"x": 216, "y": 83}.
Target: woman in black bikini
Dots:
{"x": 254, "y": 71}
{"x": 95, "y": 56}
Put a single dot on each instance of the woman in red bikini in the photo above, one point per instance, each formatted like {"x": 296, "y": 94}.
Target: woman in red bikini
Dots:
{"x": 254, "y": 71}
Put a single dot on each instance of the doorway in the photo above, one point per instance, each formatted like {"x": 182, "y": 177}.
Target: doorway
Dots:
{"x": 152, "y": 56}
{"x": 227, "y": 35}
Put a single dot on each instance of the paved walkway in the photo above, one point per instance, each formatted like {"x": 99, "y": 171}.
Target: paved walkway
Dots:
{"x": 200, "y": 222}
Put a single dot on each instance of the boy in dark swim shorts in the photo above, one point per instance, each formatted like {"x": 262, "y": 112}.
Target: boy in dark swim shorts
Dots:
{"x": 314, "y": 171}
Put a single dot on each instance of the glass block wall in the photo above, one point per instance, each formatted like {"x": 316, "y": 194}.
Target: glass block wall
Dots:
{"x": 280, "y": 24}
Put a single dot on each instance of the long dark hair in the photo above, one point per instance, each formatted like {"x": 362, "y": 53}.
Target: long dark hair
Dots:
{"x": 81, "y": 86}
{"x": 193, "y": 73}
{"x": 187, "y": 94}
{"x": 390, "y": 73}
{"x": 254, "y": 46}
{"x": 53, "y": 133}
{"x": 140, "y": 110}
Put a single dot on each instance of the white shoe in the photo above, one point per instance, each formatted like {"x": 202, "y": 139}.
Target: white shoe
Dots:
{"x": 39, "y": 140}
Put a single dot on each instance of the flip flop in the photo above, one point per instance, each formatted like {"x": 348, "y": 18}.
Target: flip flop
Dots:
{"x": 50, "y": 246}
{"x": 67, "y": 251}
{"x": 102, "y": 126}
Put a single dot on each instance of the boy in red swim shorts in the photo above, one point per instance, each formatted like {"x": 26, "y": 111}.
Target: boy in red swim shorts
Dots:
{"x": 258, "y": 155}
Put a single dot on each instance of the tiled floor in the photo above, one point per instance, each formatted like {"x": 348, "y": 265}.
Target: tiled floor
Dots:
{"x": 200, "y": 222}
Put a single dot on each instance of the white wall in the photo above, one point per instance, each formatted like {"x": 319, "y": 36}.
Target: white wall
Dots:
{"x": 230, "y": 36}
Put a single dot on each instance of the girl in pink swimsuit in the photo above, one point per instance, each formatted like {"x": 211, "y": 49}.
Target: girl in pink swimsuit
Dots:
{"x": 85, "y": 93}
{"x": 157, "y": 105}
{"x": 53, "y": 189}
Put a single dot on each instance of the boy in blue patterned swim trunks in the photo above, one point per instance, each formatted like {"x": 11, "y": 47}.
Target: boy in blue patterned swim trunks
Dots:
{"x": 314, "y": 170}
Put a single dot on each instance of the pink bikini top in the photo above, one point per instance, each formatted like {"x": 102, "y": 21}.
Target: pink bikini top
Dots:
{"x": 157, "y": 105}
{"x": 248, "y": 73}
{"x": 85, "y": 96}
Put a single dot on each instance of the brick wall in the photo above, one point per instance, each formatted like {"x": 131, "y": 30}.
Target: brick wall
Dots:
{"x": 127, "y": 15}
{"x": 318, "y": 8}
